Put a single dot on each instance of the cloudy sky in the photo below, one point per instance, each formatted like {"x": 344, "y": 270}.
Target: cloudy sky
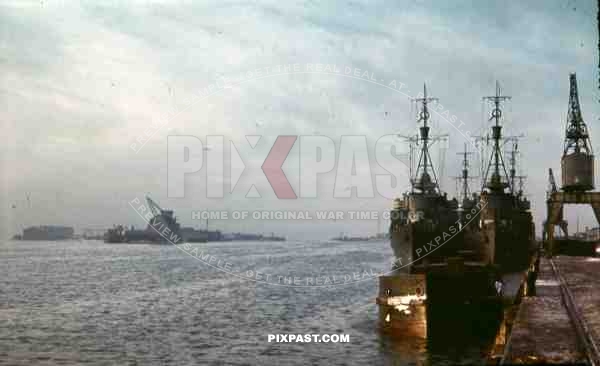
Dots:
{"x": 80, "y": 81}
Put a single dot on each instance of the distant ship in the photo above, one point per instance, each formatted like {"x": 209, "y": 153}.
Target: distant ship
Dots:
{"x": 250, "y": 237}
{"x": 378, "y": 237}
{"x": 165, "y": 222}
{"x": 46, "y": 232}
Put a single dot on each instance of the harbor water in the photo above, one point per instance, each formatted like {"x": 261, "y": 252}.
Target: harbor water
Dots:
{"x": 88, "y": 302}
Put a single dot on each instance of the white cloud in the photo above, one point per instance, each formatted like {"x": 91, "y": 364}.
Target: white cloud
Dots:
{"x": 80, "y": 82}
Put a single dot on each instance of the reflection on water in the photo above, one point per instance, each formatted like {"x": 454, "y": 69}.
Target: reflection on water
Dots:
{"x": 460, "y": 335}
{"x": 94, "y": 303}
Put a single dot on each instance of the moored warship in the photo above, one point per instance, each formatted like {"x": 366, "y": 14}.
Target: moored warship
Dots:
{"x": 507, "y": 228}
{"x": 420, "y": 234}
{"x": 451, "y": 256}
{"x": 425, "y": 213}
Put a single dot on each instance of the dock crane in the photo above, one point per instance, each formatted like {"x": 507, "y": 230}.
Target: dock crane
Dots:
{"x": 577, "y": 164}
{"x": 154, "y": 207}
{"x": 162, "y": 218}
{"x": 553, "y": 189}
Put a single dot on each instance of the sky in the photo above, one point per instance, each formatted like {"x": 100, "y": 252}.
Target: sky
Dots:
{"x": 81, "y": 80}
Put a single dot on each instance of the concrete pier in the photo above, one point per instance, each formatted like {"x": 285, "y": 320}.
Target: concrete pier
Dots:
{"x": 561, "y": 323}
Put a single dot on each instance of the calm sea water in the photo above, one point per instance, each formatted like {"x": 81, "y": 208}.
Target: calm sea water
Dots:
{"x": 87, "y": 302}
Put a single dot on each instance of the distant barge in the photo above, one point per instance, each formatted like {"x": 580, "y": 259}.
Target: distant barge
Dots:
{"x": 377, "y": 237}
{"x": 46, "y": 232}
{"x": 164, "y": 228}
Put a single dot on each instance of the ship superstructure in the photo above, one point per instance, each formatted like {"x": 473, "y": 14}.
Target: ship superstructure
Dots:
{"x": 468, "y": 213}
{"x": 506, "y": 222}
{"x": 422, "y": 229}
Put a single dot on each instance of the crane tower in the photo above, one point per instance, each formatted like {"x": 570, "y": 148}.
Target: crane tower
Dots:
{"x": 577, "y": 162}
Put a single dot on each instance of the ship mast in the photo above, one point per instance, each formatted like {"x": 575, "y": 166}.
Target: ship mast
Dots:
{"x": 464, "y": 177}
{"x": 423, "y": 181}
{"x": 514, "y": 152}
{"x": 521, "y": 183}
{"x": 513, "y": 164}
{"x": 495, "y": 183}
